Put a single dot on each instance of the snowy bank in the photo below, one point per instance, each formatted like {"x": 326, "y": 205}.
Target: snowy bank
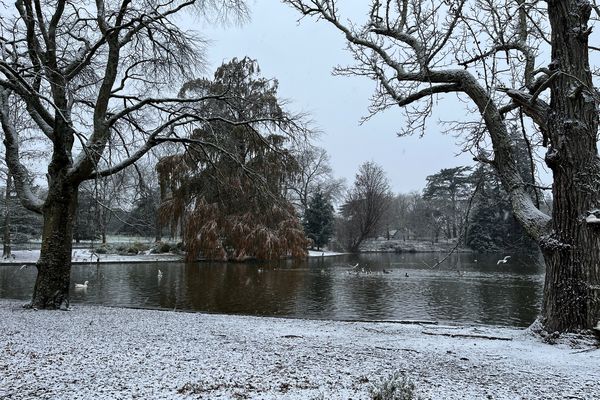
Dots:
{"x": 85, "y": 256}
{"x": 323, "y": 253}
{"x": 96, "y": 352}
{"x": 410, "y": 246}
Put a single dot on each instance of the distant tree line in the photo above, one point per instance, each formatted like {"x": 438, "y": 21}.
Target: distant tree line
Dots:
{"x": 237, "y": 191}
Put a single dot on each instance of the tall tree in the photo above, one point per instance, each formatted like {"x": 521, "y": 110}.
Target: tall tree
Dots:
{"x": 6, "y": 237}
{"x": 492, "y": 225}
{"x": 487, "y": 53}
{"x": 449, "y": 189}
{"x": 318, "y": 220}
{"x": 20, "y": 224}
{"x": 366, "y": 203}
{"x": 314, "y": 175}
{"x": 230, "y": 191}
{"x": 89, "y": 76}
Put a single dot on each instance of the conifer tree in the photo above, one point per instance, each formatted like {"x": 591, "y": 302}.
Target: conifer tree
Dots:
{"x": 318, "y": 220}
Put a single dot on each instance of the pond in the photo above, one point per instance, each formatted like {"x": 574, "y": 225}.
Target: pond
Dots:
{"x": 467, "y": 288}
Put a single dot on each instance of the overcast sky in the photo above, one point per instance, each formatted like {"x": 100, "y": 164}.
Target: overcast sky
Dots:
{"x": 301, "y": 56}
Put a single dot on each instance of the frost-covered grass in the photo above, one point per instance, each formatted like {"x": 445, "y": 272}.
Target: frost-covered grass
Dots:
{"x": 108, "y": 353}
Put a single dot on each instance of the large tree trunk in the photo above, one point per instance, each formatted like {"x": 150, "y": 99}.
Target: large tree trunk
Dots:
{"x": 54, "y": 266}
{"x": 6, "y": 246}
{"x": 572, "y": 253}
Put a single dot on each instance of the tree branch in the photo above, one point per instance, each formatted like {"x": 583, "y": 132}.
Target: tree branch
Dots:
{"x": 20, "y": 174}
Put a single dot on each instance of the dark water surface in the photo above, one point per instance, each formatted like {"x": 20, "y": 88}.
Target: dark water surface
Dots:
{"x": 468, "y": 288}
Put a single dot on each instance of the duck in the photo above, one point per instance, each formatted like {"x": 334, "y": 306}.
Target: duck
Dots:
{"x": 406, "y": 274}
{"x": 82, "y": 285}
{"x": 503, "y": 261}
{"x": 386, "y": 271}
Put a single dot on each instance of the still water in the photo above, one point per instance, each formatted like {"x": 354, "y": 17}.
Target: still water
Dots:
{"x": 467, "y": 288}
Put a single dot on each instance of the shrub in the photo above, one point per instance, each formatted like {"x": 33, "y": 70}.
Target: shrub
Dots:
{"x": 164, "y": 247}
{"x": 101, "y": 250}
{"x": 395, "y": 387}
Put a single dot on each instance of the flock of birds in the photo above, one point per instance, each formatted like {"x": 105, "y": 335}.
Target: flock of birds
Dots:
{"x": 354, "y": 269}
{"x": 84, "y": 285}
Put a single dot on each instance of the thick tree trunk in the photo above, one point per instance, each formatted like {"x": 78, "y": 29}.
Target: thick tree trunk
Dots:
{"x": 54, "y": 266}
{"x": 6, "y": 246}
{"x": 572, "y": 252}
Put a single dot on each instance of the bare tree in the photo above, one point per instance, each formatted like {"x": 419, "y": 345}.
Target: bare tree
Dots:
{"x": 366, "y": 203}
{"x": 314, "y": 175}
{"x": 89, "y": 76}
{"x": 487, "y": 53}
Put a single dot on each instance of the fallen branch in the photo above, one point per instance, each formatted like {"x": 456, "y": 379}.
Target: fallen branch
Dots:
{"x": 392, "y": 321}
{"x": 391, "y": 349}
{"x": 466, "y": 335}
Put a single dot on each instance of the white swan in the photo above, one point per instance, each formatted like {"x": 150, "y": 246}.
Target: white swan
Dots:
{"x": 503, "y": 261}
{"x": 160, "y": 274}
{"x": 81, "y": 285}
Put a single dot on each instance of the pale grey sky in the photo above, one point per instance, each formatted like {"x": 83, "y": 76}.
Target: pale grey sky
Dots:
{"x": 301, "y": 56}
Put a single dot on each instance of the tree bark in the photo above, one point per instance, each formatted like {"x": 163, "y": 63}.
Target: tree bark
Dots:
{"x": 572, "y": 251}
{"x": 6, "y": 246}
{"x": 54, "y": 265}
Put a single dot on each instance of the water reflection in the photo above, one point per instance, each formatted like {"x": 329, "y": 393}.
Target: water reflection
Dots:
{"x": 467, "y": 288}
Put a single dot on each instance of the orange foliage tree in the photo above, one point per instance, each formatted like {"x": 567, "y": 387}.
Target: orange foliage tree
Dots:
{"x": 227, "y": 186}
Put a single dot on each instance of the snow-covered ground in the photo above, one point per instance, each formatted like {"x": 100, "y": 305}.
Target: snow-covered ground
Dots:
{"x": 108, "y": 353}
{"x": 85, "y": 256}
{"x": 323, "y": 253}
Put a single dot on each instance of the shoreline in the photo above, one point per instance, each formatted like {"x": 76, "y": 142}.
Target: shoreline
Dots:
{"x": 82, "y": 256}
{"x": 163, "y": 354}
{"x": 85, "y": 256}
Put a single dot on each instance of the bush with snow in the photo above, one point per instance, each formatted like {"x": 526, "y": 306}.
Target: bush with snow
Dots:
{"x": 395, "y": 387}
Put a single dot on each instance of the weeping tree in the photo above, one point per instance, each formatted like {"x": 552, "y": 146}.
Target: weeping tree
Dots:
{"x": 518, "y": 57}
{"x": 90, "y": 76}
{"x": 228, "y": 186}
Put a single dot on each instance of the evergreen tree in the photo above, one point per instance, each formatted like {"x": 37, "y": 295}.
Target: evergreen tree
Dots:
{"x": 492, "y": 225}
{"x": 86, "y": 223}
{"x": 318, "y": 220}
{"x": 22, "y": 224}
{"x": 448, "y": 191}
